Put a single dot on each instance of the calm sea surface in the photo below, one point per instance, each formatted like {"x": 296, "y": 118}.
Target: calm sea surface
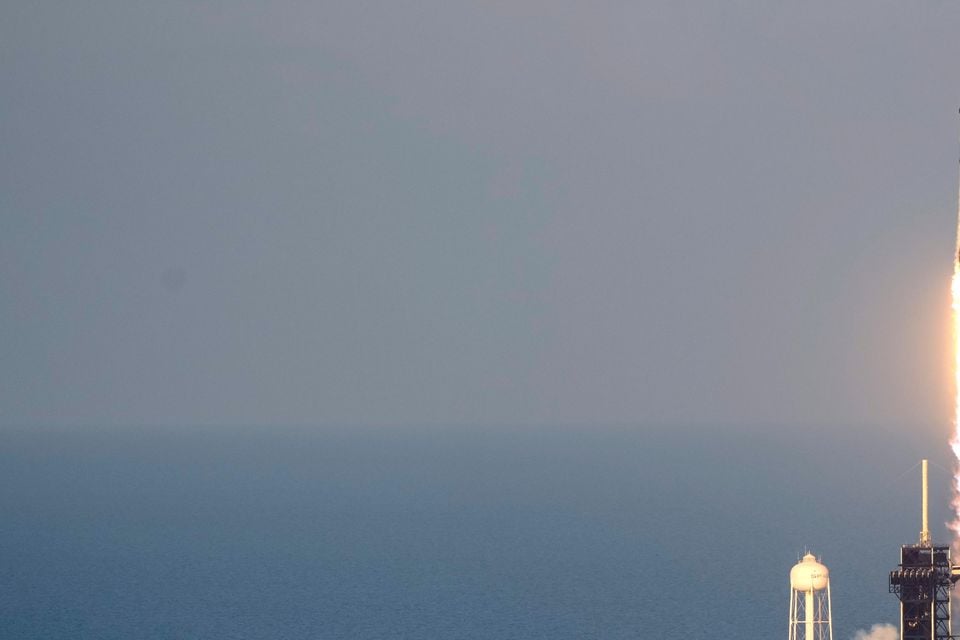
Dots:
{"x": 447, "y": 533}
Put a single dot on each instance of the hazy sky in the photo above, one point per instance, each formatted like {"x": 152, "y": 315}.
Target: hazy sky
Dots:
{"x": 471, "y": 213}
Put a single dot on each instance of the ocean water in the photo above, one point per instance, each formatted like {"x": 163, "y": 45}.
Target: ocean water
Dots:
{"x": 522, "y": 533}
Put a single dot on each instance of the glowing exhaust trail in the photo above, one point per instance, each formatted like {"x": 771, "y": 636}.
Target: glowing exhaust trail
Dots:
{"x": 955, "y": 441}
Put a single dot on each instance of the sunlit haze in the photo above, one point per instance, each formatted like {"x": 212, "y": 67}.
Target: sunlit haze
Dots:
{"x": 524, "y": 212}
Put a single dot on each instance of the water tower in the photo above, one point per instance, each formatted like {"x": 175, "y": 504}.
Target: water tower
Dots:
{"x": 810, "y": 617}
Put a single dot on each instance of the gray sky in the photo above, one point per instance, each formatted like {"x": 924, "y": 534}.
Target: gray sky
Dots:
{"x": 470, "y": 213}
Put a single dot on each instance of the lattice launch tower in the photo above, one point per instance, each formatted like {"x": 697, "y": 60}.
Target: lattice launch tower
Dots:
{"x": 923, "y": 582}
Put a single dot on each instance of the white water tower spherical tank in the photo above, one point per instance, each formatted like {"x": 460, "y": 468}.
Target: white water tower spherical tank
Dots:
{"x": 809, "y": 575}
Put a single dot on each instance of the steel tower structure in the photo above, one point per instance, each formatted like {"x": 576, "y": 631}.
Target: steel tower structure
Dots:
{"x": 923, "y": 583}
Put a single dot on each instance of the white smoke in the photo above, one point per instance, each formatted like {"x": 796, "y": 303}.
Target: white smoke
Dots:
{"x": 878, "y": 632}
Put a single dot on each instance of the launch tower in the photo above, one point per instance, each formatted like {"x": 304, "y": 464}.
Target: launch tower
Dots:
{"x": 923, "y": 583}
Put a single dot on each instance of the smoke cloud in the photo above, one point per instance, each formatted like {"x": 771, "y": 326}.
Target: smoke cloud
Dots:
{"x": 877, "y": 632}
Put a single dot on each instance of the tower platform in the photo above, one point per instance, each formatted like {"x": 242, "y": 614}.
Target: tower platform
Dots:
{"x": 923, "y": 583}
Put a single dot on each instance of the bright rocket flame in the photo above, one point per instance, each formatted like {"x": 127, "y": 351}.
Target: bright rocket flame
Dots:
{"x": 955, "y": 441}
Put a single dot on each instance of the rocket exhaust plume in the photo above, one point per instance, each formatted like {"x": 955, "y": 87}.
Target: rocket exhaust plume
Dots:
{"x": 955, "y": 440}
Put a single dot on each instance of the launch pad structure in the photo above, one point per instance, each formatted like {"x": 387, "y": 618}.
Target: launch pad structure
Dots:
{"x": 923, "y": 583}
